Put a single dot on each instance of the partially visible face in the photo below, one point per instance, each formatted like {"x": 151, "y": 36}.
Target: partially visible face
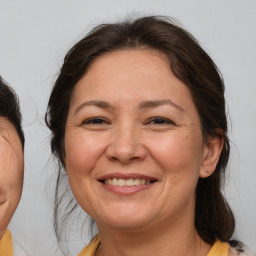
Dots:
{"x": 11, "y": 172}
{"x": 133, "y": 142}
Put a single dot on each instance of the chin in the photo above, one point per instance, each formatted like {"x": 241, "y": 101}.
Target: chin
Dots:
{"x": 125, "y": 220}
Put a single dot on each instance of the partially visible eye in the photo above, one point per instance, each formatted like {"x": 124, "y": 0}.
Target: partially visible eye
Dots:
{"x": 160, "y": 121}
{"x": 94, "y": 121}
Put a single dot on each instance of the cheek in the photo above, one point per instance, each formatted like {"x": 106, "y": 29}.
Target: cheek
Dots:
{"x": 179, "y": 156}
{"x": 82, "y": 152}
{"x": 177, "y": 151}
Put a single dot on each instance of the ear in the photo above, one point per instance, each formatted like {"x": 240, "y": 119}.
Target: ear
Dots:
{"x": 211, "y": 154}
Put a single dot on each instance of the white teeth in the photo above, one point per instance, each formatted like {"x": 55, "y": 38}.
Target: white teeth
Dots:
{"x": 137, "y": 182}
{"x": 127, "y": 182}
{"x": 121, "y": 182}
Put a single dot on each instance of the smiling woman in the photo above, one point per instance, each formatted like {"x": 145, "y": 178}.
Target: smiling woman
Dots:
{"x": 11, "y": 162}
{"x": 138, "y": 123}
{"x": 134, "y": 140}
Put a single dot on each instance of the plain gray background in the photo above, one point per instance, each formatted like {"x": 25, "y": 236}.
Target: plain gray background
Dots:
{"x": 34, "y": 37}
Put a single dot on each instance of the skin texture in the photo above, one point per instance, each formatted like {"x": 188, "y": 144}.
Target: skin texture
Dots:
{"x": 11, "y": 172}
{"x": 129, "y": 137}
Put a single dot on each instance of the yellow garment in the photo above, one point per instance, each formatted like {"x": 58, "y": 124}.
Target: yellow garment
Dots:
{"x": 218, "y": 249}
{"x": 91, "y": 248}
{"x": 6, "y": 248}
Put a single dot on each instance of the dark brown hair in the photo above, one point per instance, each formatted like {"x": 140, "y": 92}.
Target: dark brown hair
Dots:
{"x": 192, "y": 65}
{"x": 10, "y": 108}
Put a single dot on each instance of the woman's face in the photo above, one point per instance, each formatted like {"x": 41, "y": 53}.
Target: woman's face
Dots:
{"x": 11, "y": 172}
{"x": 133, "y": 142}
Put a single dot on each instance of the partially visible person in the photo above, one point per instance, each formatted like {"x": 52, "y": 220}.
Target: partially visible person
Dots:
{"x": 139, "y": 127}
{"x": 11, "y": 163}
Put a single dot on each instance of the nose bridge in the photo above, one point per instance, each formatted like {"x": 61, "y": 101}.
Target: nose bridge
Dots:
{"x": 126, "y": 136}
{"x": 126, "y": 143}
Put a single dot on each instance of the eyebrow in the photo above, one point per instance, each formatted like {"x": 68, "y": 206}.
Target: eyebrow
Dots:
{"x": 157, "y": 103}
{"x": 143, "y": 105}
{"x": 96, "y": 103}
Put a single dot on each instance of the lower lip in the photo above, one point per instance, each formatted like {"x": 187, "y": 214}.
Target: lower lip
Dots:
{"x": 126, "y": 190}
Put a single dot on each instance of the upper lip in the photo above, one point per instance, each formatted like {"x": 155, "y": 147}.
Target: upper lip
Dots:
{"x": 126, "y": 176}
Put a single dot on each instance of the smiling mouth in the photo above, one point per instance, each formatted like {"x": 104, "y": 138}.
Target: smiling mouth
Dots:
{"x": 127, "y": 182}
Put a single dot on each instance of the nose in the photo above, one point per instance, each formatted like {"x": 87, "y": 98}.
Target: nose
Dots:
{"x": 126, "y": 145}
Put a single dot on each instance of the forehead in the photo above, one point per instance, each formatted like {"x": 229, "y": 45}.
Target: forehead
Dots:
{"x": 9, "y": 133}
{"x": 6, "y": 127}
{"x": 5, "y": 124}
{"x": 130, "y": 62}
{"x": 129, "y": 70}
{"x": 126, "y": 78}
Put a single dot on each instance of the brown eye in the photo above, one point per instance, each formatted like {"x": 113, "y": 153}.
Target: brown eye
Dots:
{"x": 95, "y": 120}
{"x": 160, "y": 121}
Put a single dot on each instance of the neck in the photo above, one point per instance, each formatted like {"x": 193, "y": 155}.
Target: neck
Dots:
{"x": 176, "y": 239}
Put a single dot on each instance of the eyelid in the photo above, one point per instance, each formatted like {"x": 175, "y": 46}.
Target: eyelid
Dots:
{"x": 167, "y": 120}
{"x": 89, "y": 120}
{"x": 164, "y": 121}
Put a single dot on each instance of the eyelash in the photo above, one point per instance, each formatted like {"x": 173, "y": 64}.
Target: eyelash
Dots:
{"x": 162, "y": 120}
{"x": 95, "y": 121}
{"x": 153, "y": 121}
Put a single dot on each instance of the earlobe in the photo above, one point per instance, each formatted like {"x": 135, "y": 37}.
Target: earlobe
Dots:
{"x": 212, "y": 150}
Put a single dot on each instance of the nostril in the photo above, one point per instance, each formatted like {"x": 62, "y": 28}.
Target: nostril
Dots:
{"x": 126, "y": 152}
